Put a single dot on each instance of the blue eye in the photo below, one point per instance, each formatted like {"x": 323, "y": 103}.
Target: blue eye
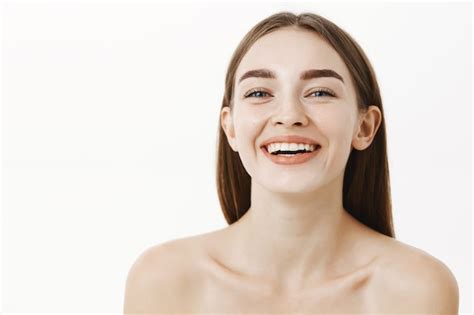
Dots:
{"x": 327, "y": 92}
{"x": 255, "y": 91}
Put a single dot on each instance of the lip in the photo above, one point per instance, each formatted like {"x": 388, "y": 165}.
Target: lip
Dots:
{"x": 290, "y": 138}
{"x": 290, "y": 160}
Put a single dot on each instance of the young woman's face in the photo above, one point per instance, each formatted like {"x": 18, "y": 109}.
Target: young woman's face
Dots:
{"x": 320, "y": 108}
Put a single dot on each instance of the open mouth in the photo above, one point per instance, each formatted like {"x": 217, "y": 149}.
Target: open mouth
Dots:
{"x": 301, "y": 150}
{"x": 292, "y": 156}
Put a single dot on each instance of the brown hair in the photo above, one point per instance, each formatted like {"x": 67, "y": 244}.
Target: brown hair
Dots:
{"x": 366, "y": 187}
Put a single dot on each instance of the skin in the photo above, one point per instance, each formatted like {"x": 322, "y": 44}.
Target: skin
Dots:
{"x": 296, "y": 227}
{"x": 296, "y": 249}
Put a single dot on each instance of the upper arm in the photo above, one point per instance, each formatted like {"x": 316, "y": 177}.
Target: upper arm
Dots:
{"x": 421, "y": 285}
{"x": 153, "y": 283}
{"x": 439, "y": 291}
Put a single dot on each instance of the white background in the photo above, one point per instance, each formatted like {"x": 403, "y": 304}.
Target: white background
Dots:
{"x": 110, "y": 118}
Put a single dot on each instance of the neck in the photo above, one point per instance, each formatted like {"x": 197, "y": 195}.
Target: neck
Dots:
{"x": 291, "y": 237}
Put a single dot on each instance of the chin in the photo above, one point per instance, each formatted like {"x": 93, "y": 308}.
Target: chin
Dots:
{"x": 291, "y": 187}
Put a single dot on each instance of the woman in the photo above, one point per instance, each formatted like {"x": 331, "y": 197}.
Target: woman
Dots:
{"x": 303, "y": 182}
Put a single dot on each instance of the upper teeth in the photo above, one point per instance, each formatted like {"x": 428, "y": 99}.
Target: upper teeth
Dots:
{"x": 283, "y": 146}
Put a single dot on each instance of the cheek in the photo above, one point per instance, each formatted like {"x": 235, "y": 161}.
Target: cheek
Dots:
{"x": 337, "y": 128}
{"x": 246, "y": 135}
{"x": 336, "y": 125}
{"x": 248, "y": 124}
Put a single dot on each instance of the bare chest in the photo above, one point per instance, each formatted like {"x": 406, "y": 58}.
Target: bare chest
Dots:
{"x": 212, "y": 295}
{"x": 218, "y": 288}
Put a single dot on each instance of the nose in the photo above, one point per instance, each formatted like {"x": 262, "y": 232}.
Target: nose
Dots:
{"x": 291, "y": 113}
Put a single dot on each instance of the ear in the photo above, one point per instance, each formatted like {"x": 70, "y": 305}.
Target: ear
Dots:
{"x": 227, "y": 125}
{"x": 369, "y": 123}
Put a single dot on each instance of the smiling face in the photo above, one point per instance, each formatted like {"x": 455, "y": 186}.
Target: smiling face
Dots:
{"x": 287, "y": 99}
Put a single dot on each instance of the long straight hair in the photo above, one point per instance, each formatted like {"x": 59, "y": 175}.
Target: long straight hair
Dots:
{"x": 366, "y": 186}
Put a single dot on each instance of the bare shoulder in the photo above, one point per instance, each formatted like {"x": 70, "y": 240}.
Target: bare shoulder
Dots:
{"x": 157, "y": 280}
{"x": 409, "y": 279}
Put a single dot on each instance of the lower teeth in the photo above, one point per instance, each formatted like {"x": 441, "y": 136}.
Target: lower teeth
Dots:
{"x": 291, "y": 154}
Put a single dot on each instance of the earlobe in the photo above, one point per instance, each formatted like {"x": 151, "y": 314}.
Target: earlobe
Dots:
{"x": 369, "y": 122}
{"x": 228, "y": 126}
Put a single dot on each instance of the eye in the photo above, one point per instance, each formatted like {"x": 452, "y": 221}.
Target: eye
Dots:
{"x": 255, "y": 92}
{"x": 324, "y": 91}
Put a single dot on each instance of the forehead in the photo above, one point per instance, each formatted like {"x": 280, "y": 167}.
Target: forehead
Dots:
{"x": 288, "y": 52}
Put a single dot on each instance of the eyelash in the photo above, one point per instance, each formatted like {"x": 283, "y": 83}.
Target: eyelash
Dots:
{"x": 318, "y": 90}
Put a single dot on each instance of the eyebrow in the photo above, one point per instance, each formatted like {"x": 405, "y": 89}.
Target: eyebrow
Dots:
{"x": 305, "y": 75}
